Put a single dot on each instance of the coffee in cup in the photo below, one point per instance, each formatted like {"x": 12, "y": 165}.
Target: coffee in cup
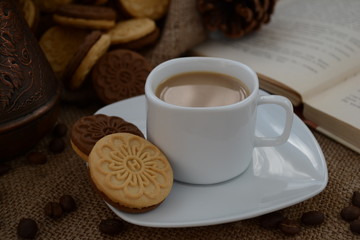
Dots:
{"x": 202, "y": 89}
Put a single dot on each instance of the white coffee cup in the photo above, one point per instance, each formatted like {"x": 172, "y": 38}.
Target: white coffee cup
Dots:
{"x": 207, "y": 145}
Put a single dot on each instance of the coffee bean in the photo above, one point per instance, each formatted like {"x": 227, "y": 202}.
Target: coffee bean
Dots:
{"x": 4, "y": 168}
{"x": 67, "y": 203}
{"x": 355, "y": 226}
{"x": 356, "y": 199}
{"x": 290, "y": 227}
{"x": 53, "y": 210}
{"x": 350, "y": 213}
{"x": 312, "y": 218}
{"x": 36, "y": 158}
{"x": 57, "y": 145}
{"x": 111, "y": 226}
{"x": 27, "y": 228}
{"x": 271, "y": 220}
{"x": 60, "y": 130}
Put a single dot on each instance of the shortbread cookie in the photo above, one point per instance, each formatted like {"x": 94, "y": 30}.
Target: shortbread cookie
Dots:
{"x": 86, "y": 16}
{"x": 94, "y": 46}
{"x": 139, "y": 44}
{"x": 51, "y": 5}
{"x": 120, "y": 74}
{"x": 131, "y": 173}
{"x": 87, "y": 130}
{"x": 59, "y": 45}
{"x": 30, "y": 12}
{"x": 154, "y": 9}
{"x": 130, "y": 30}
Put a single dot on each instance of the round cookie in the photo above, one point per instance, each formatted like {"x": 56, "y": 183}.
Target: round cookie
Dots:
{"x": 87, "y": 130}
{"x": 59, "y": 45}
{"x": 143, "y": 42}
{"x": 86, "y": 16}
{"x": 154, "y": 9}
{"x": 130, "y": 30}
{"x": 131, "y": 173}
{"x": 94, "y": 46}
{"x": 120, "y": 74}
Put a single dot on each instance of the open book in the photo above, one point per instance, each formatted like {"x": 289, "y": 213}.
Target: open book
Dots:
{"x": 310, "y": 53}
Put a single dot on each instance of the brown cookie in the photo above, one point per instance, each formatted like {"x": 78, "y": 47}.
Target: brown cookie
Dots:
{"x": 89, "y": 129}
{"x": 85, "y": 16}
{"x": 120, "y": 74}
{"x": 50, "y": 5}
{"x": 93, "y": 47}
{"x": 79, "y": 55}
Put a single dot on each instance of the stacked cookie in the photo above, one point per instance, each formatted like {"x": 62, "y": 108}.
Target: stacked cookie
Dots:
{"x": 99, "y": 43}
{"x": 128, "y": 171}
{"x": 78, "y": 36}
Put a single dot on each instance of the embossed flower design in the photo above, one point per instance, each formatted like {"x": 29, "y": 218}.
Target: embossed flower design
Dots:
{"x": 122, "y": 74}
{"x": 90, "y": 129}
{"x": 135, "y": 167}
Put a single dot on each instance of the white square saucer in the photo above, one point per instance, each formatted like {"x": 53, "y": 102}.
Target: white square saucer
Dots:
{"x": 278, "y": 177}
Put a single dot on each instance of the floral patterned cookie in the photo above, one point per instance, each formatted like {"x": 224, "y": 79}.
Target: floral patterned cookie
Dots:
{"x": 131, "y": 173}
{"x": 120, "y": 74}
{"x": 87, "y": 130}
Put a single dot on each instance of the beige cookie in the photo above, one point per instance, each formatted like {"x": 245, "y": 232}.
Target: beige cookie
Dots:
{"x": 85, "y": 58}
{"x": 131, "y": 173}
{"x": 30, "y": 12}
{"x": 84, "y": 23}
{"x": 143, "y": 42}
{"x": 154, "y": 9}
{"x": 60, "y": 44}
{"x": 130, "y": 30}
{"x": 51, "y": 5}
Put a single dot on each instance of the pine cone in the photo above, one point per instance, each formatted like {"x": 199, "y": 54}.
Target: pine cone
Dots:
{"x": 235, "y": 18}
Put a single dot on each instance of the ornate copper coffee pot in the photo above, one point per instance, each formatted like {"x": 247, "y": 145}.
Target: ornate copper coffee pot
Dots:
{"x": 29, "y": 90}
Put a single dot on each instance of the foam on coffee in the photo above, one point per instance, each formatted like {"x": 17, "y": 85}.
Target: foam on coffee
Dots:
{"x": 202, "y": 89}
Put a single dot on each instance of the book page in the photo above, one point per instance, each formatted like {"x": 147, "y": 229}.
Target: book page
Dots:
{"x": 308, "y": 46}
{"x": 340, "y": 102}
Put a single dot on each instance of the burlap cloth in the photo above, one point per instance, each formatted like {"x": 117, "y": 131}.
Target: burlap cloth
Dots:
{"x": 26, "y": 189}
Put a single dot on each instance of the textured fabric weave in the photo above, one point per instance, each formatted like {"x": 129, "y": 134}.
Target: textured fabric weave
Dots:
{"x": 182, "y": 30}
{"x": 26, "y": 189}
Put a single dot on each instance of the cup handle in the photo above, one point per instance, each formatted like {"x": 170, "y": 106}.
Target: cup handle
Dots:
{"x": 289, "y": 114}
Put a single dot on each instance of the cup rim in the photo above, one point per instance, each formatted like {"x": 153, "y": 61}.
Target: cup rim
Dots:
{"x": 150, "y": 94}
